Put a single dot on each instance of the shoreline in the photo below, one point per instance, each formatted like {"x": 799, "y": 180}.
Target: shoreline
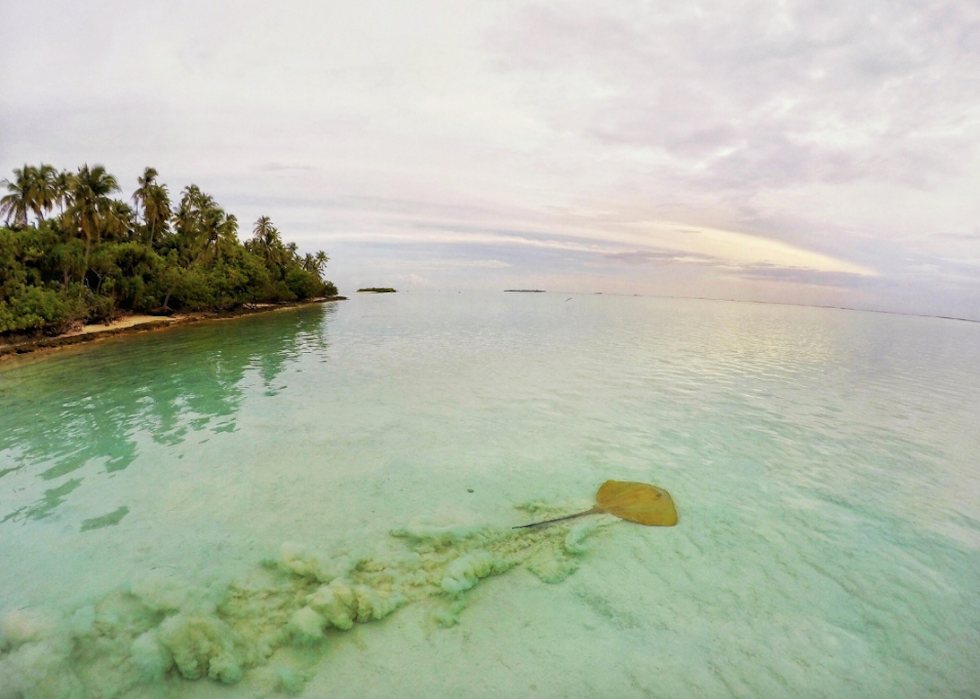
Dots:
{"x": 137, "y": 323}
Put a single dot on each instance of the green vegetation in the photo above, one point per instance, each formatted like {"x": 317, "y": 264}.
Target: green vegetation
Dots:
{"x": 377, "y": 290}
{"x": 70, "y": 252}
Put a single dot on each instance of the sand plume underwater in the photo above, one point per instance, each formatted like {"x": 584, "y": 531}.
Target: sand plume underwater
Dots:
{"x": 159, "y": 627}
{"x": 823, "y": 463}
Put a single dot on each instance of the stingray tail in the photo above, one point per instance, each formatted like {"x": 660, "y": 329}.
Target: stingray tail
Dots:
{"x": 594, "y": 510}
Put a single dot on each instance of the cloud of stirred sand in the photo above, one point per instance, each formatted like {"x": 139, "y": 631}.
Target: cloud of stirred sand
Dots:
{"x": 158, "y": 630}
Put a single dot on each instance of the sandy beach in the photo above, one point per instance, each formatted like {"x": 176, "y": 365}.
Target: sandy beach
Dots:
{"x": 141, "y": 323}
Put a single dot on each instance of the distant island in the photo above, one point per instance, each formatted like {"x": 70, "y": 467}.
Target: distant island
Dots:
{"x": 71, "y": 254}
{"x": 523, "y": 291}
{"x": 376, "y": 290}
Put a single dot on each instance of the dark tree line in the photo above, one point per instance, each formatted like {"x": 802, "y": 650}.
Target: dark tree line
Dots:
{"x": 71, "y": 252}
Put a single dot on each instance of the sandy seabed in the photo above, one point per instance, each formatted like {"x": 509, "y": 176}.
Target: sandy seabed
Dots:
{"x": 822, "y": 464}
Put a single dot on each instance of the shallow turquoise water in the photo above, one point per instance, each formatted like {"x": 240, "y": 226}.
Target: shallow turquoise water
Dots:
{"x": 824, "y": 464}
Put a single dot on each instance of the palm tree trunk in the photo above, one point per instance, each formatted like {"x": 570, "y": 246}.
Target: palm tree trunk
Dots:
{"x": 88, "y": 247}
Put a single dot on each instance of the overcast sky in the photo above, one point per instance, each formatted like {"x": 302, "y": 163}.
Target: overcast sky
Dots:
{"x": 816, "y": 152}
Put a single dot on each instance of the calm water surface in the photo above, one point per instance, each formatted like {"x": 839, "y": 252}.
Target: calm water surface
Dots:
{"x": 175, "y": 506}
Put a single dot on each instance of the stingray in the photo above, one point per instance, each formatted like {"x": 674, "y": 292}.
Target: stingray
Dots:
{"x": 634, "y": 502}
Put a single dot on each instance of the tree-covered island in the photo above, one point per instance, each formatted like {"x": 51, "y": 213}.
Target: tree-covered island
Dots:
{"x": 71, "y": 253}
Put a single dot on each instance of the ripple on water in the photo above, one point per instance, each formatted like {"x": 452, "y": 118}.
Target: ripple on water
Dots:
{"x": 823, "y": 464}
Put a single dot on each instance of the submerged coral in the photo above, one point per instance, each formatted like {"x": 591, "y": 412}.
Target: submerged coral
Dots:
{"x": 157, "y": 628}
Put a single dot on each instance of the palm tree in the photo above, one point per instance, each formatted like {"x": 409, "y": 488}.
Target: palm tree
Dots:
{"x": 220, "y": 230}
{"x": 266, "y": 234}
{"x": 63, "y": 185}
{"x": 267, "y": 243}
{"x": 189, "y": 217}
{"x": 196, "y": 213}
{"x": 186, "y": 215}
{"x": 117, "y": 219}
{"x": 156, "y": 211}
{"x": 43, "y": 190}
{"x": 320, "y": 261}
{"x": 227, "y": 233}
{"x": 264, "y": 230}
{"x": 91, "y": 200}
{"x": 146, "y": 182}
{"x": 155, "y": 202}
{"x": 203, "y": 224}
{"x": 14, "y": 206}
{"x": 315, "y": 263}
{"x": 224, "y": 234}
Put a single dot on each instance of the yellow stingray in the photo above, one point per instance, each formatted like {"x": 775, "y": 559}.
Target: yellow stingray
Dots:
{"x": 635, "y": 502}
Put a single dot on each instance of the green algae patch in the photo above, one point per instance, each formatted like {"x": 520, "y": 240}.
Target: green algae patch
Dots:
{"x": 157, "y": 630}
{"x": 109, "y": 520}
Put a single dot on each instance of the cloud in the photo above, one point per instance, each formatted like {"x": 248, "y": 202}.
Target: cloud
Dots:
{"x": 279, "y": 167}
{"x": 758, "y": 141}
{"x": 463, "y": 264}
{"x": 743, "y": 95}
{"x": 814, "y": 277}
{"x": 638, "y": 257}
{"x": 761, "y": 271}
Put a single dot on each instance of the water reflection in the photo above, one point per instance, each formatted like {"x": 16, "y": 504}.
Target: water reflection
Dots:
{"x": 89, "y": 405}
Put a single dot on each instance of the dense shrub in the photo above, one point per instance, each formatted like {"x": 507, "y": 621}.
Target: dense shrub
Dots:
{"x": 26, "y": 308}
{"x": 302, "y": 283}
{"x": 98, "y": 257}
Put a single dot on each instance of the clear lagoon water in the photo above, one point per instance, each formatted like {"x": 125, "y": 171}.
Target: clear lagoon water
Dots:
{"x": 318, "y": 502}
